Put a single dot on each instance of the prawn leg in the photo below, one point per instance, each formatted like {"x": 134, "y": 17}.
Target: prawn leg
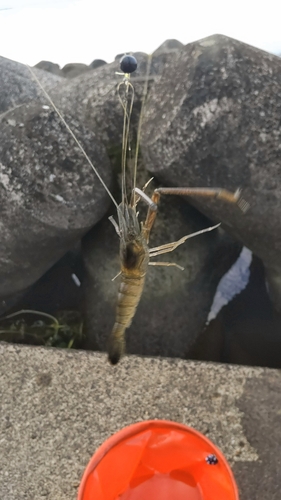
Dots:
{"x": 166, "y": 264}
{"x": 216, "y": 193}
{"x": 170, "y": 247}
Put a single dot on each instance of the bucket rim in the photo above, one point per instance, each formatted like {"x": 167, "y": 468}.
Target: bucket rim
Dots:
{"x": 132, "y": 430}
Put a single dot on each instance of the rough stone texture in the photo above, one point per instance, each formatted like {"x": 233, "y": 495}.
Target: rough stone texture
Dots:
{"x": 55, "y": 291}
{"x": 45, "y": 211}
{"x": 213, "y": 119}
{"x": 93, "y": 99}
{"x": 17, "y": 86}
{"x": 50, "y": 67}
{"x": 72, "y": 70}
{"x": 97, "y": 63}
{"x": 175, "y": 304}
{"x": 260, "y": 405}
{"x": 252, "y": 326}
{"x": 58, "y": 406}
{"x": 59, "y": 289}
{"x": 118, "y": 56}
{"x": 247, "y": 330}
{"x": 49, "y": 194}
{"x": 170, "y": 44}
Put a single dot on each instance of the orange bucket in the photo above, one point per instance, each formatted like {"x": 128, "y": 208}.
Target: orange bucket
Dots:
{"x": 158, "y": 460}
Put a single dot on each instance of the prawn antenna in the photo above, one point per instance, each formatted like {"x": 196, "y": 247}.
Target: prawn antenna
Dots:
{"x": 128, "y": 64}
{"x": 144, "y": 96}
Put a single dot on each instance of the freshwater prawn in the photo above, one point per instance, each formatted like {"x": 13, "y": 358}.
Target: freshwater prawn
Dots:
{"x": 134, "y": 251}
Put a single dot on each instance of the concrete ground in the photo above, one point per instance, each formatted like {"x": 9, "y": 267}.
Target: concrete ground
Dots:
{"x": 58, "y": 406}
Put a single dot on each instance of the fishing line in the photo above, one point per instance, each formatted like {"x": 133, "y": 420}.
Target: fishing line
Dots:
{"x": 72, "y": 134}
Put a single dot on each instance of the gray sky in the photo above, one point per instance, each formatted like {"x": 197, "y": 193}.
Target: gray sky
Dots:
{"x": 65, "y": 31}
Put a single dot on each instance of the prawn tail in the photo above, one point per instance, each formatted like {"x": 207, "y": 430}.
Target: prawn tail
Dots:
{"x": 129, "y": 294}
{"x": 116, "y": 344}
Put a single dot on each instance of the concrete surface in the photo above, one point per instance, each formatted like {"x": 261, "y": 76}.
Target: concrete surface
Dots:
{"x": 58, "y": 406}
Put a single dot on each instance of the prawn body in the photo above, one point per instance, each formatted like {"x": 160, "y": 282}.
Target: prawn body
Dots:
{"x": 134, "y": 260}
